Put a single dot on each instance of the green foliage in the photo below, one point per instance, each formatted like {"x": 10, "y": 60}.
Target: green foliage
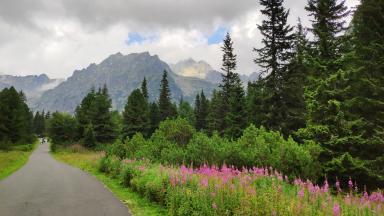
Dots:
{"x": 185, "y": 111}
{"x": 39, "y": 123}
{"x": 89, "y": 137}
{"x": 166, "y": 109}
{"x": 177, "y": 131}
{"x": 230, "y": 103}
{"x": 62, "y": 128}
{"x": 154, "y": 116}
{"x": 136, "y": 115}
{"x": 176, "y": 142}
{"x": 95, "y": 109}
{"x": 15, "y": 118}
{"x": 201, "y": 111}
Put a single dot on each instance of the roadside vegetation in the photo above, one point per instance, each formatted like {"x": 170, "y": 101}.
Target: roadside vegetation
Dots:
{"x": 88, "y": 161}
{"x": 13, "y": 159}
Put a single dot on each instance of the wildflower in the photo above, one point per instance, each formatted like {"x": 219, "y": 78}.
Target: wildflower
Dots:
{"x": 204, "y": 182}
{"x": 338, "y": 185}
{"x": 214, "y": 206}
{"x": 350, "y": 183}
{"x": 301, "y": 193}
{"x": 336, "y": 209}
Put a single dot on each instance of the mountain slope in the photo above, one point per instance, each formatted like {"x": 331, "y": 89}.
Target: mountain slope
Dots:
{"x": 202, "y": 70}
{"x": 33, "y": 85}
{"x": 122, "y": 74}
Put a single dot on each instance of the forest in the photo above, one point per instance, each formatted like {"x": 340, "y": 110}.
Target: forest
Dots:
{"x": 315, "y": 114}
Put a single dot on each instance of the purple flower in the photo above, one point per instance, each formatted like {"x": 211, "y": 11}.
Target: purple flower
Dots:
{"x": 336, "y": 209}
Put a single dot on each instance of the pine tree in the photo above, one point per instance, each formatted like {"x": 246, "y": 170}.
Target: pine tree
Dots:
{"x": 275, "y": 57}
{"x": 144, "y": 89}
{"x": 166, "y": 108}
{"x": 327, "y": 25}
{"x": 16, "y": 120}
{"x": 136, "y": 115}
{"x": 215, "y": 118}
{"x": 101, "y": 117}
{"x": 89, "y": 136}
{"x": 154, "y": 116}
{"x": 95, "y": 109}
{"x": 233, "y": 101}
{"x": 346, "y": 115}
{"x": 185, "y": 111}
{"x": 201, "y": 111}
{"x": 294, "y": 84}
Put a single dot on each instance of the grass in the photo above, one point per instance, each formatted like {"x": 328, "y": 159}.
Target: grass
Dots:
{"x": 11, "y": 161}
{"x": 87, "y": 161}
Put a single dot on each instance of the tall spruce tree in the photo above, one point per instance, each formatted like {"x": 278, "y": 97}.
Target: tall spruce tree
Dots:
{"x": 166, "y": 108}
{"x": 95, "y": 109}
{"x": 274, "y": 58}
{"x": 136, "y": 115}
{"x": 144, "y": 89}
{"x": 233, "y": 96}
{"x": 294, "y": 83}
{"x": 154, "y": 116}
{"x": 215, "y": 117}
{"x": 327, "y": 25}
{"x": 16, "y": 120}
{"x": 201, "y": 111}
{"x": 185, "y": 111}
{"x": 102, "y": 119}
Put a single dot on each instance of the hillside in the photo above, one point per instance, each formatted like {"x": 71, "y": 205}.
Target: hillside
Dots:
{"x": 122, "y": 74}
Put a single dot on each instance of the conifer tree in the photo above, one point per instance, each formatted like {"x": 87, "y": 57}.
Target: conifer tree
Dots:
{"x": 215, "y": 118}
{"x": 154, "y": 116}
{"x": 144, "y": 89}
{"x": 102, "y": 118}
{"x": 166, "y": 108}
{"x": 95, "y": 109}
{"x": 89, "y": 136}
{"x": 327, "y": 25}
{"x": 274, "y": 58}
{"x": 136, "y": 115}
{"x": 201, "y": 111}
{"x": 16, "y": 120}
{"x": 185, "y": 111}
{"x": 233, "y": 97}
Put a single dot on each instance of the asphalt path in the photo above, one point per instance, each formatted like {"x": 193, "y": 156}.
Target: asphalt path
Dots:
{"x": 46, "y": 187}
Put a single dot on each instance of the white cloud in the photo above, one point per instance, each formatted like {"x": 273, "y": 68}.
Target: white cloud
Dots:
{"x": 58, "y": 37}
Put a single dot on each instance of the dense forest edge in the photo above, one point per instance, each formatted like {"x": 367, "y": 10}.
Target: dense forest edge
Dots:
{"x": 306, "y": 138}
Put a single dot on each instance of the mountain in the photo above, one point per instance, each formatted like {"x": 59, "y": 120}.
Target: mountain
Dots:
{"x": 122, "y": 74}
{"x": 33, "y": 85}
{"x": 202, "y": 70}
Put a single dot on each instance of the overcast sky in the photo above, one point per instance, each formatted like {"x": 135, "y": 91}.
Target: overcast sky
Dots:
{"x": 57, "y": 37}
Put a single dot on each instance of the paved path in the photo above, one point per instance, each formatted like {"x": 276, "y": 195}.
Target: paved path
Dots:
{"x": 47, "y": 187}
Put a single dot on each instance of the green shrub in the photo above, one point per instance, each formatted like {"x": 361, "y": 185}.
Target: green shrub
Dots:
{"x": 103, "y": 165}
{"x": 178, "y": 131}
{"x": 202, "y": 150}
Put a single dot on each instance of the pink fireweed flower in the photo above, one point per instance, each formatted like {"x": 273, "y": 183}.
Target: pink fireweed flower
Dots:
{"x": 204, "y": 182}
{"x": 350, "y": 183}
{"x": 301, "y": 193}
{"x": 214, "y": 206}
{"x": 336, "y": 209}
{"x": 338, "y": 185}
{"x": 325, "y": 188}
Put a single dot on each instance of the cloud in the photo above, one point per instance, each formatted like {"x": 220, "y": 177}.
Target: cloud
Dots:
{"x": 57, "y": 37}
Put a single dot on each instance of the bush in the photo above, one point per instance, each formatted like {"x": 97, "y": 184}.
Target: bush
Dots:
{"x": 176, "y": 142}
{"x": 178, "y": 131}
{"x": 62, "y": 128}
